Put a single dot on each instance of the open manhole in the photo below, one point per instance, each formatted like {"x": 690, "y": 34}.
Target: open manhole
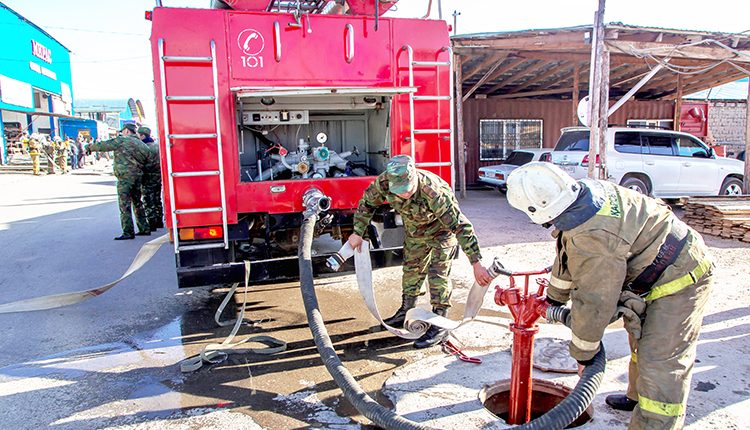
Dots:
{"x": 545, "y": 395}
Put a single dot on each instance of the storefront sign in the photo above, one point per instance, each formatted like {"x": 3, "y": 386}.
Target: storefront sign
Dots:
{"x": 16, "y": 92}
{"x": 42, "y": 52}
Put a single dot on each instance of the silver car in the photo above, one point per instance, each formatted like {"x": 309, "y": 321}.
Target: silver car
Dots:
{"x": 496, "y": 175}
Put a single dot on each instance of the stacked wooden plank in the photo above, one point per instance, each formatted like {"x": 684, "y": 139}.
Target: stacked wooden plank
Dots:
{"x": 727, "y": 217}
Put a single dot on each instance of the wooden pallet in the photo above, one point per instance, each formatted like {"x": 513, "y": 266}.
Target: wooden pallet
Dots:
{"x": 727, "y": 217}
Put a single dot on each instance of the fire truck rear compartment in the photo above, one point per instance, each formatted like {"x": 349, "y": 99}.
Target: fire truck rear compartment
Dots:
{"x": 283, "y": 138}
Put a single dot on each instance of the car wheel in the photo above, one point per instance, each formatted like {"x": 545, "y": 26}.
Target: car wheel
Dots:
{"x": 731, "y": 187}
{"x": 503, "y": 190}
{"x": 635, "y": 184}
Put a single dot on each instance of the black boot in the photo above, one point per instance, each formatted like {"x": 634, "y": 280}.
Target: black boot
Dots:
{"x": 159, "y": 223}
{"x": 397, "y": 320}
{"x": 621, "y": 402}
{"x": 152, "y": 224}
{"x": 434, "y": 334}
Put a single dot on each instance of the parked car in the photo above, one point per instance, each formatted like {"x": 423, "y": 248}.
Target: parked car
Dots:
{"x": 660, "y": 163}
{"x": 496, "y": 175}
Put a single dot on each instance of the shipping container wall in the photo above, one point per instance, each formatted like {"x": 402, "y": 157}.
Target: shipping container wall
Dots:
{"x": 555, "y": 115}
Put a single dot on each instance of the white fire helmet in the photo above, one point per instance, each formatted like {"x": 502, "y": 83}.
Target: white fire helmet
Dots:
{"x": 542, "y": 190}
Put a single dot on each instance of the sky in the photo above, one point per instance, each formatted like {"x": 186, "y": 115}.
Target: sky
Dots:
{"x": 110, "y": 49}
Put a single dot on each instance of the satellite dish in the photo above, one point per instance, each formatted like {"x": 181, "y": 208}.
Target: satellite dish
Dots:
{"x": 584, "y": 108}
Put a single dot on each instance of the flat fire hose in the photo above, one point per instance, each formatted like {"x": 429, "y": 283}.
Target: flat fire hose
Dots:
{"x": 215, "y": 353}
{"x": 417, "y": 320}
{"x": 59, "y": 300}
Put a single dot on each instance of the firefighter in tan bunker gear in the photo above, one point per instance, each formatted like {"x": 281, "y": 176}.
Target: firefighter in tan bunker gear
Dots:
{"x": 433, "y": 225}
{"x": 623, "y": 254}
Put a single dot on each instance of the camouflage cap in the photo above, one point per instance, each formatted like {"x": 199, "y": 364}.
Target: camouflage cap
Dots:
{"x": 402, "y": 175}
{"x": 144, "y": 130}
{"x": 130, "y": 127}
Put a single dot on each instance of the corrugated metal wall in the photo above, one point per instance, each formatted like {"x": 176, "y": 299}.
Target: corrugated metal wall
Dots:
{"x": 555, "y": 115}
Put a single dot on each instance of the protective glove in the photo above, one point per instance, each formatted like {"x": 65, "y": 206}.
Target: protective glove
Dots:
{"x": 630, "y": 308}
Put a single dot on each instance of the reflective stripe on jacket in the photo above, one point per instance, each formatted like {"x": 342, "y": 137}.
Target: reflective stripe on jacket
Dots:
{"x": 598, "y": 258}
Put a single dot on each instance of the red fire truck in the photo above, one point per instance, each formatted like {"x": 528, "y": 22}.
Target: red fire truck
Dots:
{"x": 260, "y": 101}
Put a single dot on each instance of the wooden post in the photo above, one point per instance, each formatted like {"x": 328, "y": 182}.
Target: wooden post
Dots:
{"x": 603, "y": 116}
{"x": 595, "y": 83}
{"x": 678, "y": 105}
{"x": 746, "y": 188}
{"x": 460, "y": 125}
{"x": 576, "y": 92}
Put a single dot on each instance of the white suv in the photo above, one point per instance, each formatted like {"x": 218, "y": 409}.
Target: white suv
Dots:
{"x": 655, "y": 162}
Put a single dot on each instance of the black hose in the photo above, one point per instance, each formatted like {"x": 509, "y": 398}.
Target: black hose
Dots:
{"x": 577, "y": 401}
{"x": 352, "y": 391}
{"x": 558, "y": 418}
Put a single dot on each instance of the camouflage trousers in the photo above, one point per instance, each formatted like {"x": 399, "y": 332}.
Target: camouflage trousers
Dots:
{"x": 151, "y": 190}
{"x": 50, "y": 164}
{"x": 661, "y": 361}
{"x": 433, "y": 263}
{"x": 129, "y": 194}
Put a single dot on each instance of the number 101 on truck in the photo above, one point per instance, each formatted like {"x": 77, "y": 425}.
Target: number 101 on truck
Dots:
{"x": 260, "y": 101}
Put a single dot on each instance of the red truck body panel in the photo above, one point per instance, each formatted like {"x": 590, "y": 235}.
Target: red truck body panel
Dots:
{"x": 275, "y": 51}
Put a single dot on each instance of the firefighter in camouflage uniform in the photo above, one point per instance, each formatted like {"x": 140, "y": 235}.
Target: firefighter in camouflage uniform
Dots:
{"x": 434, "y": 225}
{"x": 151, "y": 187}
{"x": 130, "y": 155}
{"x": 621, "y": 254}
{"x": 49, "y": 152}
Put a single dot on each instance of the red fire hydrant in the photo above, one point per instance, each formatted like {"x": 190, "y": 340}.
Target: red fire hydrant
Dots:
{"x": 526, "y": 309}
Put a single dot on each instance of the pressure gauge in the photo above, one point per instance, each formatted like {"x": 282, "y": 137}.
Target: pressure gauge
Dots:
{"x": 321, "y": 138}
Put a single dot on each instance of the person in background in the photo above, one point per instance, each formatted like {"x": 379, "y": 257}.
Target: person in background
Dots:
{"x": 61, "y": 155}
{"x": 434, "y": 227}
{"x": 621, "y": 254}
{"x": 49, "y": 152}
{"x": 74, "y": 154}
{"x": 130, "y": 155}
{"x": 35, "y": 149}
{"x": 151, "y": 186}
{"x": 78, "y": 143}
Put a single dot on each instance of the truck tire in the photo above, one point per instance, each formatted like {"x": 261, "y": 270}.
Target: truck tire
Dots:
{"x": 731, "y": 187}
{"x": 635, "y": 184}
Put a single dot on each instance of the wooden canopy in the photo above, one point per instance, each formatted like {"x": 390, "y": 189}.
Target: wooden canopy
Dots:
{"x": 552, "y": 63}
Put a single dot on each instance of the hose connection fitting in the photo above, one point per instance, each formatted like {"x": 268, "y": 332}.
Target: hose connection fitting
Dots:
{"x": 315, "y": 202}
{"x": 335, "y": 261}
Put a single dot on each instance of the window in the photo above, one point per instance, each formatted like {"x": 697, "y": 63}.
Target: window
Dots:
{"x": 519, "y": 158}
{"x": 687, "y": 147}
{"x": 628, "y": 142}
{"x": 498, "y": 137}
{"x": 573, "y": 141}
{"x": 659, "y": 144}
{"x": 665, "y": 124}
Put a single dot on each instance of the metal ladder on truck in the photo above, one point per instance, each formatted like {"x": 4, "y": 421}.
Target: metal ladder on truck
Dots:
{"x": 432, "y": 97}
{"x": 173, "y": 139}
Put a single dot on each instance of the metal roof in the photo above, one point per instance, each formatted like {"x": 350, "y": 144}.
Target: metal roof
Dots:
{"x": 543, "y": 63}
{"x": 736, "y": 90}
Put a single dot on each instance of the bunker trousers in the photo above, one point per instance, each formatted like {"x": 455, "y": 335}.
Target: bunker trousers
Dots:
{"x": 662, "y": 359}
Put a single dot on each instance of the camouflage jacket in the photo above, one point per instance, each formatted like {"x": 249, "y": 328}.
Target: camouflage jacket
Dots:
{"x": 153, "y": 165}
{"x": 130, "y": 154}
{"x": 431, "y": 214}
{"x": 49, "y": 147}
{"x": 597, "y": 259}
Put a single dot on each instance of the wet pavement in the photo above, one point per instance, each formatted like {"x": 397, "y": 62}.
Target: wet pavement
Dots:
{"x": 114, "y": 361}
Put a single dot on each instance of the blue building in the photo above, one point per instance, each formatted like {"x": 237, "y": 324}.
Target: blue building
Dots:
{"x": 35, "y": 80}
